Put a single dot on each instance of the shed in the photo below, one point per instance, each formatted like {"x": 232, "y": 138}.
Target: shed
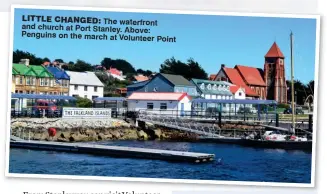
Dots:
{"x": 170, "y": 103}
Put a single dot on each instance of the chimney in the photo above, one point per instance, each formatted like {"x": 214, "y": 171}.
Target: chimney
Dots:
{"x": 25, "y": 62}
{"x": 222, "y": 65}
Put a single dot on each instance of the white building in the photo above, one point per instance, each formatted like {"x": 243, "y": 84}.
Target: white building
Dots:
{"x": 238, "y": 92}
{"x": 171, "y": 103}
{"x": 85, "y": 85}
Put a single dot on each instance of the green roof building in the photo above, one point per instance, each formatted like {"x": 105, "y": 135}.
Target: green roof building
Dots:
{"x": 34, "y": 79}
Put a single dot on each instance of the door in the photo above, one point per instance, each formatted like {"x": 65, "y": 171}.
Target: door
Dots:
{"x": 182, "y": 109}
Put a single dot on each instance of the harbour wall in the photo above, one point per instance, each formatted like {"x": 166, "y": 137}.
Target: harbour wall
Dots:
{"x": 82, "y": 130}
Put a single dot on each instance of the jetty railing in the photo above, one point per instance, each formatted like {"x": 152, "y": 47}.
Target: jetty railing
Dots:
{"x": 209, "y": 130}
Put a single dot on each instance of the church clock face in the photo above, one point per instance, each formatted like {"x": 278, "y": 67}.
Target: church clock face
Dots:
{"x": 281, "y": 61}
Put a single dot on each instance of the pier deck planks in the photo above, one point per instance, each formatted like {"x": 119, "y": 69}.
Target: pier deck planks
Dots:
{"x": 117, "y": 151}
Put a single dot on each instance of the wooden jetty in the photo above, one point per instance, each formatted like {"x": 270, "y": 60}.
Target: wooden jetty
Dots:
{"x": 115, "y": 151}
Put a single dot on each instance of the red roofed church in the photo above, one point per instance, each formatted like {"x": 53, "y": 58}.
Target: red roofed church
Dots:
{"x": 269, "y": 83}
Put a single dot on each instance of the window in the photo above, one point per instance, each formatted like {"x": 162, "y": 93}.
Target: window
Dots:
{"x": 42, "y": 82}
{"x": 214, "y": 87}
{"x": 155, "y": 89}
{"x": 16, "y": 91}
{"x": 75, "y": 95}
{"x": 202, "y": 86}
{"x": 95, "y": 89}
{"x": 75, "y": 87}
{"x": 28, "y": 81}
{"x": 46, "y": 81}
{"x": 85, "y": 88}
{"x": 240, "y": 93}
{"x": 33, "y": 81}
{"x": 94, "y": 97}
{"x": 85, "y": 96}
{"x": 17, "y": 80}
{"x": 149, "y": 105}
{"x": 21, "y": 80}
{"x": 51, "y": 82}
{"x": 163, "y": 106}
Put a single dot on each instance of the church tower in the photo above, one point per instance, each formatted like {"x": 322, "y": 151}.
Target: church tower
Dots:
{"x": 274, "y": 75}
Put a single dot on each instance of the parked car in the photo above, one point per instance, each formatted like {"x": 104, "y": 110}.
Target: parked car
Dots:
{"x": 297, "y": 111}
{"x": 247, "y": 110}
{"x": 41, "y": 105}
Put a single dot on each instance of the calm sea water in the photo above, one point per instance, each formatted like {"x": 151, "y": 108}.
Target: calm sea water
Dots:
{"x": 236, "y": 163}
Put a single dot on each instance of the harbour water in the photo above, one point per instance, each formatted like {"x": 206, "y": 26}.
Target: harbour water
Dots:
{"x": 233, "y": 162}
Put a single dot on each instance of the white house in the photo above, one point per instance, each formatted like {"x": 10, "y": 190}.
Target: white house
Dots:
{"x": 85, "y": 85}
{"x": 238, "y": 92}
{"x": 171, "y": 103}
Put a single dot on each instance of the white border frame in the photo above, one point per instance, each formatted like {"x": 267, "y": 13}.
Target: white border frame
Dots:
{"x": 193, "y": 181}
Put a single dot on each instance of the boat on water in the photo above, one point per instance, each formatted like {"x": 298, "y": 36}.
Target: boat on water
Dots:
{"x": 277, "y": 140}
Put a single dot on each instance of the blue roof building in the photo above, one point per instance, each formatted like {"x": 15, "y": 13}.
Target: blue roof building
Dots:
{"x": 62, "y": 78}
{"x": 58, "y": 73}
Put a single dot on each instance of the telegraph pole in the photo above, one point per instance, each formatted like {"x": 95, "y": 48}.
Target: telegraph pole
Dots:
{"x": 292, "y": 84}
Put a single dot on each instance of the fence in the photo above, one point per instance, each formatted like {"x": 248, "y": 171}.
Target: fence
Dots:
{"x": 210, "y": 115}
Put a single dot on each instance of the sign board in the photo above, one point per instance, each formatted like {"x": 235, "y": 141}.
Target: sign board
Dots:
{"x": 78, "y": 113}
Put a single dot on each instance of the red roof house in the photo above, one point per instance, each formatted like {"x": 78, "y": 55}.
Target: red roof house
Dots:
{"x": 248, "y": 91}
{"x": 115, "y": 71}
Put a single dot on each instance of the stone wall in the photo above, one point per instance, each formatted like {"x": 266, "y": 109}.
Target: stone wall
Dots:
{"x": 77, "y": 130}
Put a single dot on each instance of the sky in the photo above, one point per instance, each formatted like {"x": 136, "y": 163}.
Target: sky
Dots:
{"x": 211, "y": 40}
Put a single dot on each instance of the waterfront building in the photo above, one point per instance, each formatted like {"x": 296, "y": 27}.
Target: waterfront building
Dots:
{"x": 85, "y": 85}
{"x": 162, "y": 82}
{"x": 171, "y": 103}
{"x": 62, "y": 79}
{"x": 238, "y": 92}
{"x": 33, "y": 79}
{"x": 213, "y": 89}
{"x": 15, "y": 73}
{"x": 269, "y": 83}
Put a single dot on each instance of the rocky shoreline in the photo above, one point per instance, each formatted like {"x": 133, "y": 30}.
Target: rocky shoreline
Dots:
{"x": 80, "y": 130}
